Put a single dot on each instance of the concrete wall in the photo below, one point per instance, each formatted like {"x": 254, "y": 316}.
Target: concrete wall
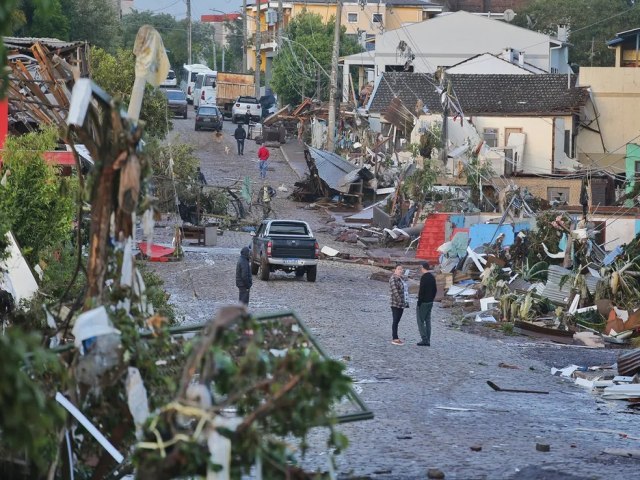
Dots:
{"x": 616, "y": 94}
{"x": 538, "y": 147}
{"x": 618, "y": 231}
{"x": 449, "y": 39}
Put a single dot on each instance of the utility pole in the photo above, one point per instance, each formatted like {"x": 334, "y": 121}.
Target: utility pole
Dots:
{"x": 244, "y": 36}
{"x": 280, "y": 24}
{"x": 258, "y": 40}
{"x": 333, "y": 82}
{"x": 215, "y": 53}
{"x": 189, "y": 31}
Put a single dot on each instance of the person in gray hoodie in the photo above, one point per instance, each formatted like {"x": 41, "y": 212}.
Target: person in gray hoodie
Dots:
{"x": 243, "y": 275}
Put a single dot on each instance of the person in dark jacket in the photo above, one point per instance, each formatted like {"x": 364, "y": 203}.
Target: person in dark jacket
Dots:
{"x": 240, "y": 135}
{"x": 426, "y": 295}
{"x": 243, "y": 276}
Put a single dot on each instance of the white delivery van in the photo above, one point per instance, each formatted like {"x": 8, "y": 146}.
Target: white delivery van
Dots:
{"x": 188, "y": 78}
{"x": 204, "y": 92}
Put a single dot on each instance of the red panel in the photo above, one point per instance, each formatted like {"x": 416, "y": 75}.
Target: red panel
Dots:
{"x": 432, "y": 236}
{"x": 60, "y": 158}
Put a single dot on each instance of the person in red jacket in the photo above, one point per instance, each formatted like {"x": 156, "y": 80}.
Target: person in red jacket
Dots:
{"x": 263, "y": 156}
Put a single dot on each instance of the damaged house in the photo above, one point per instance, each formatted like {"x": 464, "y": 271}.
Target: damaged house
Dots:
{"x": 522, "y": 126}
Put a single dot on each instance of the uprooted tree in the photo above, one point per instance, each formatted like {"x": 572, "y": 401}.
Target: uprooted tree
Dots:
{"x": 264, "y": 371}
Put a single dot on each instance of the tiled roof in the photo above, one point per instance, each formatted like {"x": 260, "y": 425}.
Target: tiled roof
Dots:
{"x": 483, "y": 94}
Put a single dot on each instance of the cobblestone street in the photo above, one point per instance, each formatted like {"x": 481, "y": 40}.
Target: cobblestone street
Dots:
{"x": 432, "y": 404}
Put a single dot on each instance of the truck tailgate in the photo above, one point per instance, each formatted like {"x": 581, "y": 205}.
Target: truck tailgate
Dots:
{"x": 293, "y": 248}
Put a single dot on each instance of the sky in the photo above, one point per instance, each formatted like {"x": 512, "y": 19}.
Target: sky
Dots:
{"x": 178, "y": 8}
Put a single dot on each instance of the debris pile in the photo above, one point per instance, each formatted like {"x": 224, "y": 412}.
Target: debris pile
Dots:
{"x": 552, "y": 280}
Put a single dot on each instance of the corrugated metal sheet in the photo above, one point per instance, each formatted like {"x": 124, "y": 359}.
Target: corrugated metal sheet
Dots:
{"x": 332, "y": 169}
{"x": 552, "y": 289}
{"x": 27, "y": 42}
{"x": 629, "y": 362}
{"x": 560, "y": 296}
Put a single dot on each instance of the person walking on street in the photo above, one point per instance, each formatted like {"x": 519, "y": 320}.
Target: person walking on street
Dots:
{"x": 243, "y": 276}
{"x": 240, "y": 135}
{"x": 263, "y": 156}
{"x": 247, "y": 120}
{"x": 426, "y": 295}
{"x": 399, "y": 301}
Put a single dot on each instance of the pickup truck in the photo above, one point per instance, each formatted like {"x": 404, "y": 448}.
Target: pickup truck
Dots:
{"x": 286, "y": 245}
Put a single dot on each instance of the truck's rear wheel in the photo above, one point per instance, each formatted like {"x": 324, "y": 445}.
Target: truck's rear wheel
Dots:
{"x": 264, "y": 270}
{"x": 311, "y": 273}
{"x": 254, "y": 268}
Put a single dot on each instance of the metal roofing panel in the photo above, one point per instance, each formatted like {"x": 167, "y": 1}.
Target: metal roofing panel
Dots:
{"x": 332, "y": 168}
{"x": 552, "y": 289}
{"x": 27, "y": 42}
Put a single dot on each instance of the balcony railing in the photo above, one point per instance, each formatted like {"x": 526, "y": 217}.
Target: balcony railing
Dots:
{"x": 266, "y": 37}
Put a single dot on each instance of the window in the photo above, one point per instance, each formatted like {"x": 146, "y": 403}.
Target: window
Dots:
{"x": 210, "y": 81}
{"x": 560, "y": 195}
{"x": 427, "y": 15}
{"x": 638, "y": 169}
{"x": 490, "y": 136}
{"x": 554, "y": 70}
{"x": 370, "y": 42}
{"x": 568, "y": 143}
{"x": 282, "y": 228}
{"x": 377, "y": 18}
{"x": 352, "y": 17}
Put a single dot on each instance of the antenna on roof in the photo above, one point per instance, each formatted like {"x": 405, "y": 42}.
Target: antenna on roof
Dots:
{"x": 509, "y": 15}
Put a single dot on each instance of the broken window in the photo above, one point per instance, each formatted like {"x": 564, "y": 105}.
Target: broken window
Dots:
{"x": 490, "y": 137}
{"x": 560, "y": 195}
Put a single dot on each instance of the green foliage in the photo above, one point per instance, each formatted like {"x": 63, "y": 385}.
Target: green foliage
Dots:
{"x": 116, "y": 74}
{"x": 94, "y": 21}
{"x": 58, "y": 267}
{"x": 29, "y": 417}
{"x": 296, "y": 69}
{"x": 156, "y": 294}
{"x": 41, "y": 19}
{"x": 38, "y": 204}
{"x": 421, "y": 182}
{"x": 587, "y": 28}
{"x": 476, "y": 171}
{"x": 233, "y": 60}
{"x": 277, "y": 396}
{"x": 550, "y": 226}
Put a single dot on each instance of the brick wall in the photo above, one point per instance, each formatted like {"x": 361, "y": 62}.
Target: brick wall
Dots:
{"x": 538, "y": 187}
{"x": 494, "y": 6}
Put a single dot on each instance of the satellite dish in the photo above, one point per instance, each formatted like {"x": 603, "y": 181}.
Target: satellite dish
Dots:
{"x": 509, "y": 15}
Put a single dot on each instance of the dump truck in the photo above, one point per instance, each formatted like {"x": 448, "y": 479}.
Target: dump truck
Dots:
{"x": 230, "y": 86}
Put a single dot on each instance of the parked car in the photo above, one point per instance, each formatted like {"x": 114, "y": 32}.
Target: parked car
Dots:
{"x": 239, "y": 110}
{"x": 171, "y": 80}
{"x": 287, "y": 245}
{"x": 209, "y": 117}
{"x": 268, "y": 104}
{"x": 177, "y": 101}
